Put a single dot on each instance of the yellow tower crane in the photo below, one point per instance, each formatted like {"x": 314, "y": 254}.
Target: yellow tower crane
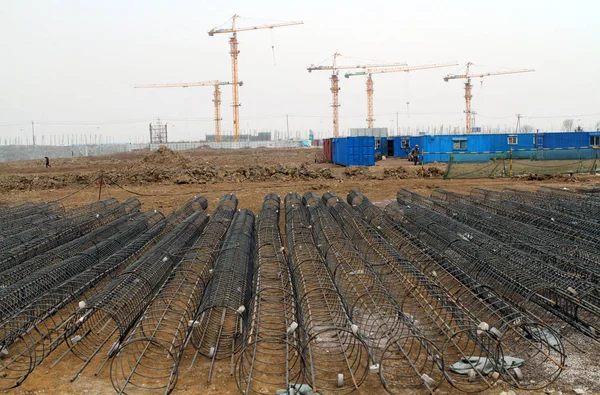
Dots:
{"x": 468, "y": 86}
{"x": 335, "y": 88}
{"x": 216, "y": 97}
{"x": 233, "y": 51}
{"x": 369, "y": 73}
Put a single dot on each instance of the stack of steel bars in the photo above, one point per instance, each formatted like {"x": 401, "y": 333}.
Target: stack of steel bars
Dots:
{"x": 336, "y": 357}
{"x": 150, "y": 356}
{"x": 271, "y": 358}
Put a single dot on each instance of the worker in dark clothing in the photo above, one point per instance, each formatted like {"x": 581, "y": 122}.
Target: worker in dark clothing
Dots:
{"x": 415, "y": 154}
{"x": 47, "y": 162}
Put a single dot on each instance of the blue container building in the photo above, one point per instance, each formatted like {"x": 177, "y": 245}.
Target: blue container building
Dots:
{"x": 354, "y": 151}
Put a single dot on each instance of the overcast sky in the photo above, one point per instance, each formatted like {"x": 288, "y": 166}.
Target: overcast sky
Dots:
{"x": 70, "y": 66}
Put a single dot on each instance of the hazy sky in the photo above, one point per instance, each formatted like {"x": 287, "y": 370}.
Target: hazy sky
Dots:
{"x": 70, "y": 66}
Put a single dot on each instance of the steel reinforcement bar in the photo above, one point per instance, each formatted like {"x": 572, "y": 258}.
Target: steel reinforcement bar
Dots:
{"x": 150, "y": 356}
{"x": 527, "y": 289}
{"x": 271, "y": 358}
{"x": 61, "y": 232}
{"x": 562, "y": 226}
{"x": 337, "y": 359}
{"x": 33, "y": 332}
{"x": 588, "y": 292}
{"x": 395, "y": 341}
{"x": 67, "y": 250}
{"x": 52, "y": 311}
{"x": 544, "y": 245}
{"x": 444, "y": 322}
{"x": 514, "y": 329}
{"x": 110, "y": 314}
{"x": 219, "y": 324}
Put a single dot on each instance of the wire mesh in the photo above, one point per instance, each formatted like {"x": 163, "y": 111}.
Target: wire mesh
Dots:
{"x": 149, "y": 358}
{"x": 336, "y": 357}
{"x": 110, "y": 314}
{"x": 543, "y": 358}
{"x": 527, "y": 282}
{"x": 219, "y": 324}
{"x": 271, "y": 358}
{"x": 393, "y": 337}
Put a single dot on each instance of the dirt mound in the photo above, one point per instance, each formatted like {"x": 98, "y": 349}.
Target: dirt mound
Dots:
{"x": 166, "y": 158}
{"x": 433, "y": 171}
{"x": 358, "y": 173}
{"x": 399, "y": 173}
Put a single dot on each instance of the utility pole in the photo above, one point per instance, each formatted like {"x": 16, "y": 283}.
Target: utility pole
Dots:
{"x": 33, "y": 132}
{"x": 519, "y": 122}
{"x": 397, "y": 124}
{"x": 287, "y": 121}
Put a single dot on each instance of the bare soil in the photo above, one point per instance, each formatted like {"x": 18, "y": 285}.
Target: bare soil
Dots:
{"x": 165, "y": 180}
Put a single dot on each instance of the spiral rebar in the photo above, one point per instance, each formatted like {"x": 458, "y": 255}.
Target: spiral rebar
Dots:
{"x": 219, "y": 324}
{"x": 523, "y": 279}
{"x": 393, "y": 337}
{"x": 110, "y": 314}
{"x": 336, "y": 357}
{"x": 29, "y": 332}
{"x": 149, "y": 358}
{"x": 271, "y": 358}
{"x": 543, "y": 357}
{"x": 28, "y": 244}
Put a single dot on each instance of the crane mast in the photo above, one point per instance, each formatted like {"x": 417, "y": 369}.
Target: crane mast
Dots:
{"x": 468, "y": 89}
{"x": 335, "y": 87}
{"x": 369, "y": 73}
{"x": 234, "y": 52}
{"x": 216, "y": 97}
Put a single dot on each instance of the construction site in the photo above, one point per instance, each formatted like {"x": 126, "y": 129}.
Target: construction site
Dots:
{"x": 355, "y": 252}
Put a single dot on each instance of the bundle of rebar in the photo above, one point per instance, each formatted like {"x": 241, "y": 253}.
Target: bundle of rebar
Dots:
{"x": 149, "y": 358}
{"x": 29, "y": 331}
{"x": 64, "y": 251}
{"x": 526, "y": 281}
{"x": 271, "y": 358}
{"x": 49, "y": 315}
{"x": 513, "y": 328}
{"x": 110, "y": 314}
{"x": 30, "y": 243}
{"x": 450, "y": 326}
{"x": 336, "y": 357}
{"x": 544, "y": 245}
{"x": 393, "y": 337}
{"x": 219, "y": 324}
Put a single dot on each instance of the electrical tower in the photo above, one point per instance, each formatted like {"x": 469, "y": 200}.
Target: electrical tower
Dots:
{"x": 158, "y": 133}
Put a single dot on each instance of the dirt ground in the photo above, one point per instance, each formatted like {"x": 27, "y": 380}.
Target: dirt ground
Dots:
{"x": 165, "y": 180}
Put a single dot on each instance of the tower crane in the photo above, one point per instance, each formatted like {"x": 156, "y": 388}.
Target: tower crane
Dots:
{"x": 369, "y": 73}
{"x": 216, "y": 97}
{"x": 468, "y": 86}
{"x": 335, "y": 84}
{"x": 233, "y": 51}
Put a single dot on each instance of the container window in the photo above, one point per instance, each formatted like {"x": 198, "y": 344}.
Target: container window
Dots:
{"x": 459, "y": 144}
{"x": 377, "y": 144}
{"x": 405, "y": 143}
{"x": 513, "y": 140}
{"x": 594, "y": 140}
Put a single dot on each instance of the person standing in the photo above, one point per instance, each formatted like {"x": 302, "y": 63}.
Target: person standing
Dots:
{"x": 415, "y": 154}
{"x": 47, "y": 161}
